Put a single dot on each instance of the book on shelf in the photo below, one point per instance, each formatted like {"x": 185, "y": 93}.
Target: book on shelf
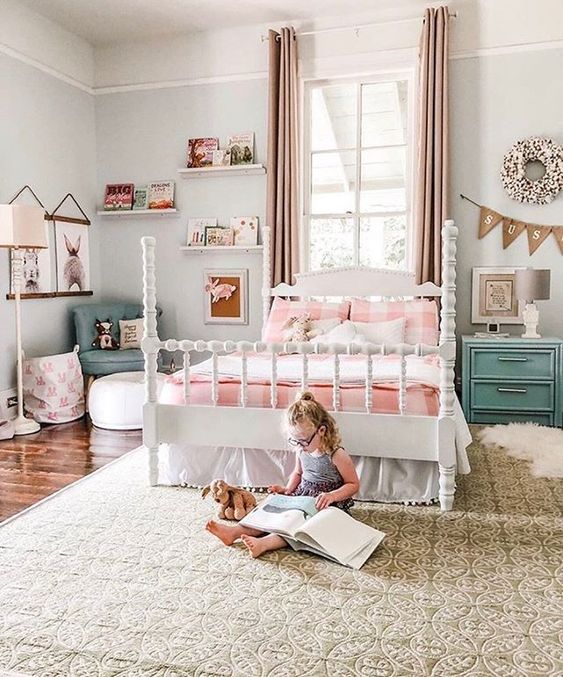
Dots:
{"x": 218, "y": 236}
{"x": 196, "y": 231}
{"x": 245, "y": 230}
{"x": 200, "y": 152}
{"x": 161, "y": 195}
{"x": 330, "y": 533}
{"x": 141, "y": 197}
{"x": 221, "y": 158}
{"x": 241, "y": 147}
{"x": 118, "y": 196}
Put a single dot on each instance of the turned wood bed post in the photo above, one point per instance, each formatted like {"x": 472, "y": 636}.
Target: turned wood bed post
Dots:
{"x": 446, "y": 424}
{"x": 150, "y": 349}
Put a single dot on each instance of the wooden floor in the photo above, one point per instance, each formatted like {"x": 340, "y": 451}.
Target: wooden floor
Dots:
{"x": 35, "y": 466}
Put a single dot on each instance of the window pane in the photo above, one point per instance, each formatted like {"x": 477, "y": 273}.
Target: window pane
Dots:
{"x": 384, "y": 113}
{"x": 331, "y": 243}
{"x": 383, "y": 180}
{"x": 382, "y": 241}
{"x": 333, "y": 117}
{"x": 333, "y": 177}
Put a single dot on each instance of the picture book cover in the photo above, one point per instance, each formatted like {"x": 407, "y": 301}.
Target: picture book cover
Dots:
{"x": 118, "y": 196}
{"x": 245, "y": 230}
{"x": 161, "y": 195}
{"x": 200, "y": 151}
{"x": 218, "y": 237}
{"x": 141, "y": 198}
{"x": 221, "y": 158}
{"x": 196, "y": 231}
{"x": 241, "y": 147}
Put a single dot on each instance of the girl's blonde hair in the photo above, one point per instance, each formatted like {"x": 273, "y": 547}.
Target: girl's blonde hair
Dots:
{"x": 306, "y": 408}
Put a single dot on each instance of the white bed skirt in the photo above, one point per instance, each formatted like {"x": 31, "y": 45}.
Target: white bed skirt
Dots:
{"x": 381, "y": 479}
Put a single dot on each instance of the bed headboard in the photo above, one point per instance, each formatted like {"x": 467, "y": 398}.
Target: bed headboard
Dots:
{"x": 360, "y": 281}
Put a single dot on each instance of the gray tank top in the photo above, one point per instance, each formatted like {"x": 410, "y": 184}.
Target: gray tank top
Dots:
{"x": 319, "y": 468}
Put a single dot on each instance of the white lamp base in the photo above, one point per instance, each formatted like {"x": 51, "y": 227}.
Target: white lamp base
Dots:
{"x": 25, "y": 426}
{"x": 531, "y": 316}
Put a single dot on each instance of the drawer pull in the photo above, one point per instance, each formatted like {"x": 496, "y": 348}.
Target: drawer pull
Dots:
{"x": 512, "y": 359}
{"x": 512, "y": 390}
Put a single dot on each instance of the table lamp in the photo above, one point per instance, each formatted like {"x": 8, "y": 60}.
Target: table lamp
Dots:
{"x": 532, "y": 285}
{"x": 21, "y": 227}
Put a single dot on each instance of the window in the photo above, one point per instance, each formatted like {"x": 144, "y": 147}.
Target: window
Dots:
{"x": 357, "y": 173}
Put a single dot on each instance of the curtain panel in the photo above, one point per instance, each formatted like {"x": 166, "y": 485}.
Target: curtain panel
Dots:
{"x": 282, "y": 204}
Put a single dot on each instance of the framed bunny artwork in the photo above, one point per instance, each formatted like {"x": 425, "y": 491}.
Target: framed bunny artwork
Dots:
{"x": 72, "y": 252}
{"x": 225, "y": 296}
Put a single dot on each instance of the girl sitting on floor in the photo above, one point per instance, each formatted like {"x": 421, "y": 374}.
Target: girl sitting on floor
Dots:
{"x": 322, "y": 469}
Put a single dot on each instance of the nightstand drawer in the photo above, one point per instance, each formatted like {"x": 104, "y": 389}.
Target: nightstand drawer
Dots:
{"x": 512, "y": 395}
{"x": 511, "y": 417}
{"x": 519, "y": 364}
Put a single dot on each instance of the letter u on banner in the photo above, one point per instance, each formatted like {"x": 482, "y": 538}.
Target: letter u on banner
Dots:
{"x": 558, "y": 232}
{"x": 536, "y": 235}
{"x": 510, "y": 231}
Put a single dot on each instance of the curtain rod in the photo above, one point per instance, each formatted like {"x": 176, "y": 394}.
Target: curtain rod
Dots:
{"x": 359, "y": 27}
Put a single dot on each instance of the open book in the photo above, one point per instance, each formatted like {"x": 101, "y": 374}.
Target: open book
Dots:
{"x": 330, "y": 533}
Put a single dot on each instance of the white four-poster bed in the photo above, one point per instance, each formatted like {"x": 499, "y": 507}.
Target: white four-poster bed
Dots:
{"x": 435, "y": 440}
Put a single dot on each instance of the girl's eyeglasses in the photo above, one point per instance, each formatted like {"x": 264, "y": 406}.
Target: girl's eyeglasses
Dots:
{"x": 302, "y": 443}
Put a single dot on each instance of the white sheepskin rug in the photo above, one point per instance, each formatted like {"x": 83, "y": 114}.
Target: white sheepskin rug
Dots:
{"x": 539, "y": 444}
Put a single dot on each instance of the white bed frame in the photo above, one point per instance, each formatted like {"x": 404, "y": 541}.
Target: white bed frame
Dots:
{"x": 400, "y": 436}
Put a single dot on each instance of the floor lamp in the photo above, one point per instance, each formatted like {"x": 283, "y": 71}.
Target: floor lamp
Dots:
{"x": 21, "y": 227}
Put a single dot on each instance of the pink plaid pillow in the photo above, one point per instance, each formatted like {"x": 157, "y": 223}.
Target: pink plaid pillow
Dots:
{"x": 282, "y": 310}
{"x": 421, "y": 316}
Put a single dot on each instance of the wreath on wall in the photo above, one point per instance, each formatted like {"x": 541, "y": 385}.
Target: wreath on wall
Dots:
{"x": 514, "y": 179}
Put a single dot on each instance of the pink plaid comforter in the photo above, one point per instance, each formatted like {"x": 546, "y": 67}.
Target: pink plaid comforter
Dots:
{"x": 422, "y": 383}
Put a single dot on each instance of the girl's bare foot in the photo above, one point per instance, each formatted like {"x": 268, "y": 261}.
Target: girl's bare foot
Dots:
{"x": 224, "y": 532}
{"x": 254, "y": 545}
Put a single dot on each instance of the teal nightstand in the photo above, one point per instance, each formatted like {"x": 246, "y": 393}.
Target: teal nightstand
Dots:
{"x": 512, "y": 379}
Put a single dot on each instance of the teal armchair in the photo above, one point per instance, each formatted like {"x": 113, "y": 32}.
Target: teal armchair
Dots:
{"x": 97, "y": 362}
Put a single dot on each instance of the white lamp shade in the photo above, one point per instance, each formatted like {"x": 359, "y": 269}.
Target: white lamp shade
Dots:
{"x": 23, "y": 226}
{"x": 533, "y": 285}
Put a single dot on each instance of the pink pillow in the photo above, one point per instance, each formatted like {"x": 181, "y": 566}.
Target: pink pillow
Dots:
{"x": 421, "y": 316}
{"x": 282, "y": 310}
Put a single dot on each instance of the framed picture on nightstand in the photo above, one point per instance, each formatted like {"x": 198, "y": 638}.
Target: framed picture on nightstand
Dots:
{"x": 493, "y": 296}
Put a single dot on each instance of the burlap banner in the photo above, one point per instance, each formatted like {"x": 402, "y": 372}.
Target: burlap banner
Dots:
{"x": 512, "y": 228}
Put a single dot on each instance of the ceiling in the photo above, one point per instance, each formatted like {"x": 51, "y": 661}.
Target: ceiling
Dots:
{"x": 107, "y": 21}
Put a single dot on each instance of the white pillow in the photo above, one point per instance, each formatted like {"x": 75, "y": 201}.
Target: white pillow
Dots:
{"x": 319, "y": 327}
{"x": 392, "y": 331}
{"x": 130, "y": 333}
{"x": 342, "y": 333}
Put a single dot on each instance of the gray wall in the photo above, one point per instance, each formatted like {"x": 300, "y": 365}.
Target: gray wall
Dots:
{"x": 497, "y": 100}
{"x": 142, "y": 137}
{"x": 47, "y": 137}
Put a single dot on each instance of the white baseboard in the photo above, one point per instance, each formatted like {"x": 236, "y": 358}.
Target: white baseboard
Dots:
{"x": 8, "y": 404}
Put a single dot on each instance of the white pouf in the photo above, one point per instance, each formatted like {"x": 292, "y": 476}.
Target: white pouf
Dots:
{"x": 116, "y": 401}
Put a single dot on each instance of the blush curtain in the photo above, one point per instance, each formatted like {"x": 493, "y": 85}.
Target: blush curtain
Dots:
{"x": 282, "y": 205}
{"x": 431, "y": 207}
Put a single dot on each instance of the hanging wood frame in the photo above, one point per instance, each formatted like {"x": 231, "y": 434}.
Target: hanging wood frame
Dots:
{"x": 72, "y": 255}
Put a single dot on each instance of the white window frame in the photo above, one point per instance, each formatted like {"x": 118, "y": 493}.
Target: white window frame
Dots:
{"x": 407, "y": 74}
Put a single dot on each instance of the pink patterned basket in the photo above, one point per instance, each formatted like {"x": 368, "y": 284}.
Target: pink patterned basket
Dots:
{"x": 53, "y": 387}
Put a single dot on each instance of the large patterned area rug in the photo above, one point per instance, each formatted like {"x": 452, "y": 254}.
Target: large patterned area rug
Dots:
{"x": 112, "y": 577}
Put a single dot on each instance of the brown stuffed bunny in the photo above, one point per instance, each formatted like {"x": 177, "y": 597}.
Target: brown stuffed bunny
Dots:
{"x": 234, "y": 503}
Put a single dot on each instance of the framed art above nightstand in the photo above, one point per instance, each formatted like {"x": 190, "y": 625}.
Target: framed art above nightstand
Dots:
{"x": 512, "y": 379}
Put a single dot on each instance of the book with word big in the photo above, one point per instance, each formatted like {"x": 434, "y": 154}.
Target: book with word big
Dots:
{"x": 161, "y": 195}
{"x": 241, "y": 147}
{"x": 330, "y": 533}
{"x": 196, "y": 231}
{"x": 200, "y": 152}
{"x": 118, "y": 196}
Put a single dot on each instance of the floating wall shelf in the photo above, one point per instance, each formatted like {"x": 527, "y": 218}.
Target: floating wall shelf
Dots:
{"x": 251, "y": 249}
{"x": 231, "y": 170}
{"x": 125, "y": 213}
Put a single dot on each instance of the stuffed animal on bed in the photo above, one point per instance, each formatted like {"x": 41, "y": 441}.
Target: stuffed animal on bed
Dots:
{"x": 104, "y": 339}
{"x": 234, "y": 503}
{"x": 298, "y": 329}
